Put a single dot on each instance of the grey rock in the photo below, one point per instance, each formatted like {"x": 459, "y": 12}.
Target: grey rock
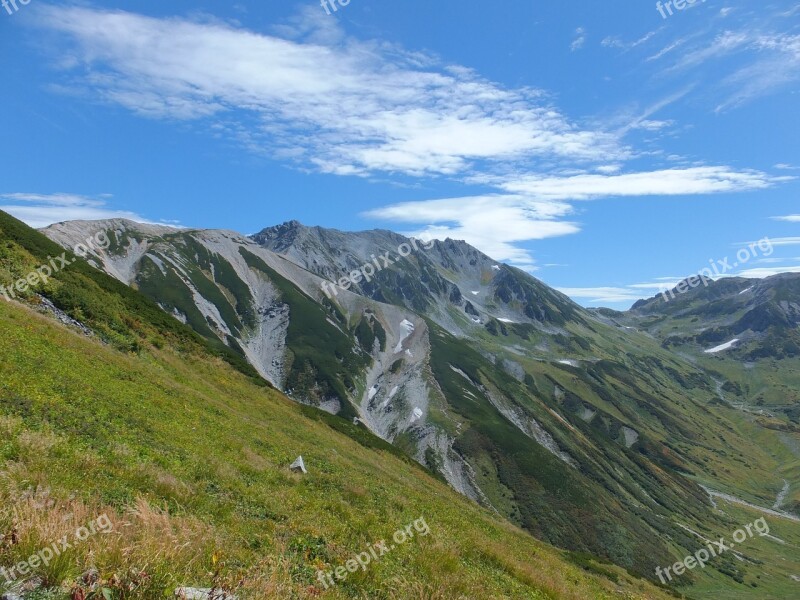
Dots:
{"x": 190, "y": 593}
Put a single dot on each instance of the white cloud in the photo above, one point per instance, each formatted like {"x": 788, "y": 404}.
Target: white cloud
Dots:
{"x": 340, "y": 105}
{"x": 667, "y": 49}
{"x": 637, "y": 291}
{"x": 41, "y": 210}
{"x": 777, "y": 64}
{"x": 493, "y": 224}
{"x": 775, "y": 261}
{"x": 668, "y": 182}
{"x": 612, "y": 42}
{"x": 534, "y": 206}
{"x": 784, "y": 241}
{"x": 789, "y": 218}
{"x": 308, "y": 94}
{"x": 601, "y": 294}
{"x": 764, "y": 272}
{"x": 580, "y": 40}
{"x": 653, "y": 125}
{"x": 608, "y": 169}
{"x": 616, "y": 42}
{"x": 766, "y": 59}
{"x": 723, "y": 44}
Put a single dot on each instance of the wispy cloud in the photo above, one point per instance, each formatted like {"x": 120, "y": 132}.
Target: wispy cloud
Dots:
{"x": 628, "y": 294}
{"x": 789, "y": 218}
{"x": 580, "y": 39}
{"x": 335, "y": 104}
{"x": 764, "y": 272}
{"x": 41, "y": 210}
{"x": 777, "y": 64}
{"x": 535, "y": 207}
{"x": 492, "y": 223}
{"x": 617, "y": 42}
{"x": 601, "y": 295}
{"x": 308, "y": 94}
{"x": 784, "y": 241}
{"x": 620, "y": 294}
{"x": 668, "y": 182}
{"x": 746, "y": 60}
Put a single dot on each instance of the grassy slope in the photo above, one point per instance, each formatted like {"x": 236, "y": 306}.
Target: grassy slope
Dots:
{"x": 119, "y": 433}
{"x": 718, "y": 447}
{"x": 759, "y": 452}
{"x": 549, "y": 498}
{"x": 199, "y": 492}
{"x": 768, "y": 564}
{"x": 188, "y": 455}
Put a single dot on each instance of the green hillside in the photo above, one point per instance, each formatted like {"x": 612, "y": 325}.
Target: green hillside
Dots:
{"x": 188, "y": 456}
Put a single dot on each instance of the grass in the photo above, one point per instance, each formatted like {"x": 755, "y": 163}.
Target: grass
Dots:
{"x": 189, "y": 459}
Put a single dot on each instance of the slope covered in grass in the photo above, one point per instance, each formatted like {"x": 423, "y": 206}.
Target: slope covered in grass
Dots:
{"x": 186, "y": 452}
{"x": 189, "y": 457}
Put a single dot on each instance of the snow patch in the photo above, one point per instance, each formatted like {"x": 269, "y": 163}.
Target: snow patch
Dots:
{"x": 722, "y": 347}
{"x": 406, "y": 328}
{"x": 460, "y": 372}
{"x": 502, "y": 320}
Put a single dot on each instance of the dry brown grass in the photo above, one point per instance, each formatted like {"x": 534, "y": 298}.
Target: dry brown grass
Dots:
{"x": 144, "y": 548}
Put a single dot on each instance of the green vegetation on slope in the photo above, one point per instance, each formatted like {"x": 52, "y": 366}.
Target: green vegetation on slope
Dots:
{"x": 189, "y": 458}
{"x": 119, "y": 315}
{"x": 549, "y": 498}
{"x": 324, "y": 360}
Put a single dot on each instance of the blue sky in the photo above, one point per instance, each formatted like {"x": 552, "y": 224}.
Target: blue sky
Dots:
{"x": 600, "y": 146}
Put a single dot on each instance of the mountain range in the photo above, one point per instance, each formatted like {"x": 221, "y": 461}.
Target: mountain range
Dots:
{"x": 597, "y": 431}
{"x": 171, "y": 377}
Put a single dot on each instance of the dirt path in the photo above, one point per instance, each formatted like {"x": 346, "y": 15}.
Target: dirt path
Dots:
{"x": 735, "y": 500}
{"x": 781, "y": 496}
